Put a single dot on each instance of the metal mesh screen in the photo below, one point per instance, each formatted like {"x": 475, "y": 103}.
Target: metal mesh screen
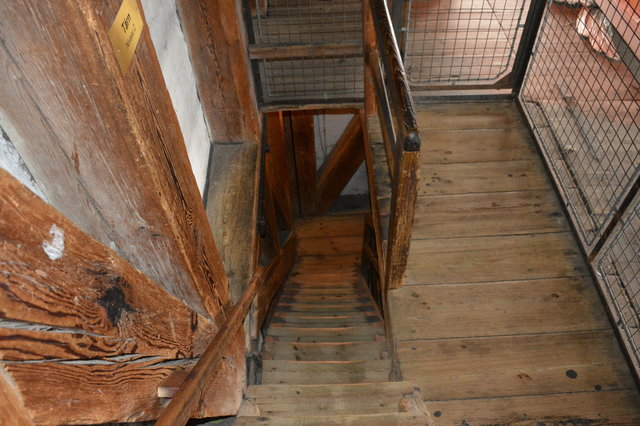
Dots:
{"x": 462, "y": 41}
{"x": 618, "y": 269}
{"x": 583, "y": 107}
{"x": 308, "y": 22}
{"x": 313, "y": 78}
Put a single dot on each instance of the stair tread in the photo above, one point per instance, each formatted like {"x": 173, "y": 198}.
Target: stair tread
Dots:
{"x": 365, "y": 330}
{"x": 301, "y": 351}
{"x": 353, "y": 420}
{"x": 324, "y": 372}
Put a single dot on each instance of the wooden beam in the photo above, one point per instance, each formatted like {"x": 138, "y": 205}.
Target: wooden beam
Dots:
{"x": 304, "y": 148}
{"x": 109, "y": 154}
{"x": 182, "y": 405}
{"x": 340, "y": 165}
{"x": 280, "y": 51}
{"x": 14, "y": 413}
{"x": 277, "y": 167}
{"x": 215, "y": 35}
{"x": 405, "y": 193}
{"x": 232, "y": 201}
{"x": 76, "y": 313}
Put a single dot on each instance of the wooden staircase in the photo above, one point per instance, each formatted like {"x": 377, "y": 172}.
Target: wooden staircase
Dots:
{"x": 325, "y": 358}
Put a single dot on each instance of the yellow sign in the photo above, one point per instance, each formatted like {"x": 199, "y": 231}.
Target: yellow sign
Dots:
{"x": 125, "y": 32}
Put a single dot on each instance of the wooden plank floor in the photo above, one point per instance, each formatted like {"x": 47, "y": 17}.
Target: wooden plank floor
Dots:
{"x": 499, "y": 321}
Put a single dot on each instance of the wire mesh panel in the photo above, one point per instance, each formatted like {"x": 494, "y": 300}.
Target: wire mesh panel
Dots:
{"x": 453, "y": 42}
{"x": 311, "y": 77}
{"x": 581, "y": 96}
{"x": 618, "y": 270}
{"x": 308, "y": 21}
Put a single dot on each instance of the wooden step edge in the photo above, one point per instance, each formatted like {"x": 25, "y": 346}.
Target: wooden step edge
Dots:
{"x": 397, "y": 419}
{"x": 310, "y": 391}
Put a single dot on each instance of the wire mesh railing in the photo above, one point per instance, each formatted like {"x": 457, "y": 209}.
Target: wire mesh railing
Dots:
{"x": 584, "y": 109}
{"x": 463, "y": 42}
{"x": 618, "y": 270}
{"x": 581, "y": 95}
{"x": 319, "y": 45}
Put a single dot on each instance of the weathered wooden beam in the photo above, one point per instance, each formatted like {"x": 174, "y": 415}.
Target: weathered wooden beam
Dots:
{"x": 277, "y": 167}
{"x": 184, "y": 402}
{"x": 105, "y": 146}
{"x": 11, "y": 404}
{"x": 232, "y": 202}
{"x": 403, "y": 203}
{"x": 304, "y": 50}
{"x": 304, "y": 147}
{"x": 81, "y": 325}
{"x": 340, "y": 165}
{"x": 215, "y": 35}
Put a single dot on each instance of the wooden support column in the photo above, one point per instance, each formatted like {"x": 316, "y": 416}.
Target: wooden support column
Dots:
{"x": 84, "y": 336}
{"x": 304, "y": 147}
{"x": 277, "y": 167}
{"x": 215, "y": 35}
{"x": 105, "y": 146}
{"x": 340, "y": 165}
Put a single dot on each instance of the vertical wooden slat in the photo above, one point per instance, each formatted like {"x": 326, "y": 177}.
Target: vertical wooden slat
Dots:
{"x": 215, "y": 35}
{"x": 105, "y": 146}
{"x": 302, "y": 134}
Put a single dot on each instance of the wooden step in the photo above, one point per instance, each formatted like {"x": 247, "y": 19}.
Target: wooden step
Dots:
{"x": 330, "y": 226}
{"x": 324, "y": 372}
{"x": 322, "y": 291}
{"x": 292, "y": 331}
{"x": 335, "y": 312}
{"x": 297, "y": 351}
{"x": 323, "y": 298}
{"x": 398, "y": 419}
{"x": 322, "y": 400}
{"x": 330, "y": 246}
{"x": 325, "y": 322}
{"x": 310, "y": 307}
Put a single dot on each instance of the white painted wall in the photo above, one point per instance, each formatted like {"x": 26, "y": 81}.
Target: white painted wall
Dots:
{"x": 328, "y": 129}
{"x": 11, "y": 161}
{"x": 171, "y": 48}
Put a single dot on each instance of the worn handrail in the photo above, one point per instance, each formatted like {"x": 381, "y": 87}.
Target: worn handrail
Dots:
{"x": 403, "y": 108}
{"x": 184, "y": 402}
{"x": 388, "y": 96}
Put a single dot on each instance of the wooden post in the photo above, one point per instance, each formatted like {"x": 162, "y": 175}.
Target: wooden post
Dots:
{"x": 304, "y": 147}
{"x": 105, "y": 145}
{"x": 215, "y": 35}
{"x": 403, "y": 202}
{"x": 277, "y": 167}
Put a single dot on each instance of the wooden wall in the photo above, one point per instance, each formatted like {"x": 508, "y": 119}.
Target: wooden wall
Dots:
{"x": 107, "y": 151}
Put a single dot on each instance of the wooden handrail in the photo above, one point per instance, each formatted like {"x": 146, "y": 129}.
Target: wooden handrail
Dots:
{"x": 386, "y": 81}
{"x": 184, "y": 402}
{"x": 402, "y": 102}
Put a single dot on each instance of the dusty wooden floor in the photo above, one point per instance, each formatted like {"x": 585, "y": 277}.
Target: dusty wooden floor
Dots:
{"x": 499, "y": 321}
